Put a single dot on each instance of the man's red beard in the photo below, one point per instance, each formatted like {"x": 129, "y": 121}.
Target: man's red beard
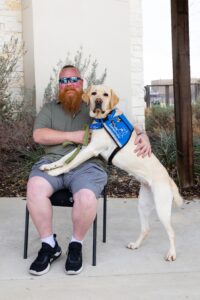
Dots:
{"x": 70, "y": 99}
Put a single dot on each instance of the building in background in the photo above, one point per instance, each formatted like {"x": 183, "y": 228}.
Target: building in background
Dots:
{"x": 109, "y": 30}
{"x": 161, "y": 92}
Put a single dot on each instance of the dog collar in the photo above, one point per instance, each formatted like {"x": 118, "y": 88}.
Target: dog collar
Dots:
{"x": 118, "y": 127}
{"x": 99, "y": 123}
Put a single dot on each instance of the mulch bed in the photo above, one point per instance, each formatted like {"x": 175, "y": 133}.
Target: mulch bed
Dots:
{"x": 120, "y": 184}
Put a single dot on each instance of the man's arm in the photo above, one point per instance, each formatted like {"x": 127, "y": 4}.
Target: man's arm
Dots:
{"x": 143, "y": 146}
{"x": 47, "y": 136}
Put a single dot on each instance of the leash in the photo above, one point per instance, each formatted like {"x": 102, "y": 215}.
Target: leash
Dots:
{"x": 117, "y": 126}
{"x": 79, "y": 147}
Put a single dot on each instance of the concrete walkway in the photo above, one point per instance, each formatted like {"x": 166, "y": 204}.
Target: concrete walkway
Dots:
{"x": 120, "y": 273}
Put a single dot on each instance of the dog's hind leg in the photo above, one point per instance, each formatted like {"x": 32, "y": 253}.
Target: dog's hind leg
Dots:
{"x": 163, "y": 202}
{"x": 145, "y": 206}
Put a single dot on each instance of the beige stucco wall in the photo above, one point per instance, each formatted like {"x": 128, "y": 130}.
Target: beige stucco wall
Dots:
{"x": 27, "y": 33}
{"x": 109, "y": 30}
{"x": 63, "y": 26}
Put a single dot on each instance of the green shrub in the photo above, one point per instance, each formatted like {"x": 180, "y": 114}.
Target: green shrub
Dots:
{"x": 196, "y": 147}
{"x": 159, "y": 118}
{"x": 10, "y": 54}
{"x": 28, "y": 157}
{"x": 196, "y": 118}
{"x": 160, "y": 127}
{"x": 86, "y": 66}
{"x": 164, "y": 147}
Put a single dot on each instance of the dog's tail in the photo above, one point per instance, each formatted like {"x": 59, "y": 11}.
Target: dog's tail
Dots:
{"x": 177, "y": 197}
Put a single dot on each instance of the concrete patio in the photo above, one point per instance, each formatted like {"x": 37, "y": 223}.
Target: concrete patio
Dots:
{"x": 120, "y": 273}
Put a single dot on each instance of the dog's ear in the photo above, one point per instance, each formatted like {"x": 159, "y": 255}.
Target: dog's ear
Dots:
{"x": 114, "y": 100}
{"x": 85, "y": 96}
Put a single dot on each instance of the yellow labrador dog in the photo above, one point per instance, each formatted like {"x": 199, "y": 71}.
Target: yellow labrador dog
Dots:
{"x": 157, "y": 188}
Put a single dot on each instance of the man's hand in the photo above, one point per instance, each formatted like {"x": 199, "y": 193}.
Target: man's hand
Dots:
{"x": 143, "y": 147}
{"x": 80, "y": 138}
{"x": 77, "y": 136}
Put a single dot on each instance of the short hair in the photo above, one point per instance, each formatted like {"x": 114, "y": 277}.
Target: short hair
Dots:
{"x": 69, "y": 67}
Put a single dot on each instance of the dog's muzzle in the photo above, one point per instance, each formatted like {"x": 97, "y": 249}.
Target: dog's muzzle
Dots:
{"x": 98, "y": 105}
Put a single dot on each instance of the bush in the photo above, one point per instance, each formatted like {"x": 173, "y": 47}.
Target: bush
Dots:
{"x": 160, "y": 126}
{"x": 162, "y": 118}
{"x": 87, "y": 68}
{"x": 11, "y": 52}
{"x": 164, "y": 147}
{"x": 196, "y": 118}
{"x": 159, "y": 118}
{"x": 196, "y": 148}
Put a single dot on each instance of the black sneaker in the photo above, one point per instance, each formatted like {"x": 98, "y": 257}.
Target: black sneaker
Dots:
{"x": 74, "y": 259}
{"x": 46, "y": 256}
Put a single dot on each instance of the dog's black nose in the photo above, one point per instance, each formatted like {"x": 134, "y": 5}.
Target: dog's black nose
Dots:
{"x": 98, "y": 103}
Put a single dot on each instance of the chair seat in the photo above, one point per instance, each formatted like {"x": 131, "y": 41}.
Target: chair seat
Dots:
{"x": 62, "y": 198}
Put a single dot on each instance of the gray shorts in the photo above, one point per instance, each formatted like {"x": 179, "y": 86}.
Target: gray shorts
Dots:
{"x": 86, "y": 176}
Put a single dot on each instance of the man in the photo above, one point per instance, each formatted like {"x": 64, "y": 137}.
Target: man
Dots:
{"x": 57, "y": 122}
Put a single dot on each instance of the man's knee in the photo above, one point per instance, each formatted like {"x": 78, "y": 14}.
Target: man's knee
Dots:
{"x": 38, "y": 187}
{"x": 85, "y": 197}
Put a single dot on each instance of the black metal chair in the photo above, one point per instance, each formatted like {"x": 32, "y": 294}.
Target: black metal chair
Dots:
{"x": 64, "y": 198}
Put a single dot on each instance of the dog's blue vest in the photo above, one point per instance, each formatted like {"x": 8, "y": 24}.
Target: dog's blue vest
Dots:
{"x": 118, "y": 127}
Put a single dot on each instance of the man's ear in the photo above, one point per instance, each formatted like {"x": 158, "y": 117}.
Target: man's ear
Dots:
{"x": 114, "y": 100}
{"x": 85, "y": 96}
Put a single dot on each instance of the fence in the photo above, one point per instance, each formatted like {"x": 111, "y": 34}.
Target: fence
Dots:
{"x": 164, "y": 95}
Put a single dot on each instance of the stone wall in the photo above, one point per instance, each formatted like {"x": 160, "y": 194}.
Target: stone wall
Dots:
{"x": 11, "y": 26}
{"x": 137, "y": 76}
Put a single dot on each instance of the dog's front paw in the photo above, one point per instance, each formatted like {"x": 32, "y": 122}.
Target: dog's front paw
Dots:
{"x": 171, "y": 256}
{"x": 54, "y": 172}
{"x": 43, "y": 167}
{"x": 47, "y": 167}
{"x": 132, "y": 246}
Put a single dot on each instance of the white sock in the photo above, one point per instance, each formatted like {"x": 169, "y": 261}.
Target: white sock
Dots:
{"x": 49, "y": 240}
{"x": 75, "y": 240}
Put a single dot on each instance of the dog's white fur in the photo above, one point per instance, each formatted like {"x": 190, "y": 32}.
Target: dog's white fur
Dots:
{"x": 156, "y": 185}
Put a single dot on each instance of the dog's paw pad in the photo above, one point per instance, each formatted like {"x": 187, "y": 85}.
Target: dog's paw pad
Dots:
{"x": 132, "y": 246}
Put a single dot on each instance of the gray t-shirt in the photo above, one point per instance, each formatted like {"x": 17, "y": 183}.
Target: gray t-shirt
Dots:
{"x": 53, "y": 116}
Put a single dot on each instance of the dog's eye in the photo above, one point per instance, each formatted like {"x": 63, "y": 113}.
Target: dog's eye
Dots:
{"x": 93, "y": 93}
{"x": 105, "y": 94}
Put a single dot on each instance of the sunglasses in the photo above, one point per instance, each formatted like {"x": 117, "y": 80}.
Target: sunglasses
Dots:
{"x": 69, "y": 79}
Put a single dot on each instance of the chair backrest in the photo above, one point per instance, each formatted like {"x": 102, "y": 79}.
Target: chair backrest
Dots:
{"x": 62, "y": 198}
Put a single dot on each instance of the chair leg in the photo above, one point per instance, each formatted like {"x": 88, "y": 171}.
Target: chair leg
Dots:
{"x": 104, "y": 214}
{"x": 94, "y": 251}
{"x": 26, "y": 233}
{"x": 94, "y": 232}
